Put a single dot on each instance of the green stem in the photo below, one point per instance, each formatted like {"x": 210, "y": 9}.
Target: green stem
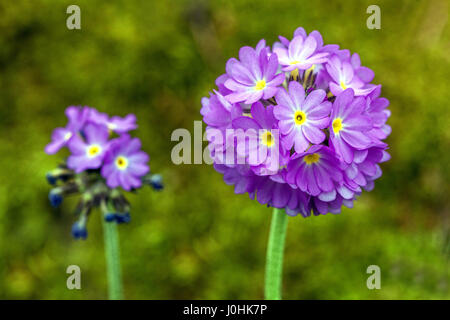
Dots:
{"x": 274, "y": 259}
{"x": 112, "y": 260}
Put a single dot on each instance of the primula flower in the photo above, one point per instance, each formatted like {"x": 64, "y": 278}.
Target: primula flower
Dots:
{"x": 330, "y": 121}
{"x": 301, "y": 54}
{"x": 343, "y": 76}
{"x": 125, "y": 164}
{"x": 254, "y": 77}
{"x": 330, "y": 117}
{"x": 102, "y": 159}
{"x": 315, "y": 171}
{"x": 300, "y": 119}
{"x": 348, "y": 125}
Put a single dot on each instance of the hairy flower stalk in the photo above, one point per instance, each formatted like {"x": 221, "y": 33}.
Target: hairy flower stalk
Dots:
{"x": 299, "y": 126}
{"x": 104, "y": 161}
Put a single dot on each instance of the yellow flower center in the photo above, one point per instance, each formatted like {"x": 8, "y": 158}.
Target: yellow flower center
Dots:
{"x": 299, "y": 117}
{"x": 343, "y": 86}
{"x": 294, "y": 62}
{"x": 267, "y": 139}
{"x": 337, "y": 125}
{"x": 311, "y": 158}
{"x": 93, "y": 150}
{"x": 260, "y": 84}
{"x": 121, "y": 163}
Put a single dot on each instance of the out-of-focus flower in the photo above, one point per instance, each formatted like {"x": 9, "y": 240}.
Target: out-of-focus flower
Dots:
{"x": 61, "y": 136}
{"x": 103, "y": 158}
{"x": 301, "y": 54}
{"x": 125, "y": 164}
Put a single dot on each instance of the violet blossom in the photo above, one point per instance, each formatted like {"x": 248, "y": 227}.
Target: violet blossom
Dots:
{"x": 330, "y": 116}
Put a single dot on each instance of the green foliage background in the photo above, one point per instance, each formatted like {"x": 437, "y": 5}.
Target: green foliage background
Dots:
{"x": 197, "y": 239}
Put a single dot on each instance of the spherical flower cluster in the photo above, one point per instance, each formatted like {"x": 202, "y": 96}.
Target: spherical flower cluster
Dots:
{"x": 103, "y": 157}
{"x": 298, "y": 126}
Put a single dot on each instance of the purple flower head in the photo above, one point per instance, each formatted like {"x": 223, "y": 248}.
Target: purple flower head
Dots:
{"x": 301, "y": 54}
{"x": 258, "y": 140}
{"x": 301, "y": 119}
{"x": 315, "y": 171}
{"x": 125, "y": 163}
{"x": 88, "y": 148}
{"x": 254, "y": 77}
{"x": 343, "y": 76}
{"x": 115, "y": 123}
{"x": 348, "y": 125}
{"x": 309, "y": 137}
{"x": 61, "y": 136}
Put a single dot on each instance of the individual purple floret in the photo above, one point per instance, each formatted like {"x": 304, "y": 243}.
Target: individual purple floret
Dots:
{"x": 300, "y": 119}
{"x": 330, "y": 48}
{"x": 348, "y": 125}
{"x": 61, "y": 136}
{"x": 258, "y": 140}
{"x": 316, "y": 171}
{"x": 88, "y": 150}
{"x": 376, "y": 109}
{"x": 125, "y": 164}
{"x": 218, "y": 112}
{"x": 218, "y": 115}
{"x": 343, "y": 76}
{"x": 329, "y": 116}
{"x": 301, "y": 54}
{"x": 254, "y": 77}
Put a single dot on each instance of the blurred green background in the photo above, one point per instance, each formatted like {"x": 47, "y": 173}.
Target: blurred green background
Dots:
{"x": 197, "y": 239}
